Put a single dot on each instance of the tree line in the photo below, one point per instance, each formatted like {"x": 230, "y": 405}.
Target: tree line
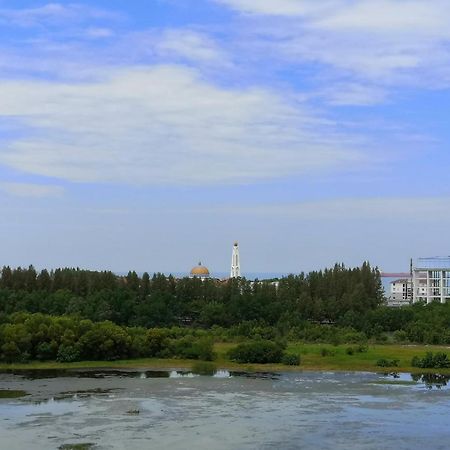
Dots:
{"x": 161, "y": 301}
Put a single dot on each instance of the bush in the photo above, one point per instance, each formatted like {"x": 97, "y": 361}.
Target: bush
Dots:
{"x": 349, "y": 351}
{"x": 156, "y": 342}
{"x": 191, "y": 348}
{"x": 400, "y": 336}
{"x": 204, "y": 368}
{"x": 259, "y": 352}
{"x": 46, "y": 351}
{"x": 430, "y": 361}
{"x": 290, "y": 359}
{"x": 327, "y": 352}
{"x": 387, "y": 362}
{"x": 67, "y": 354}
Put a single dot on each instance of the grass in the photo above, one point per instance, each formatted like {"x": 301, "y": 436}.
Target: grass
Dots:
{"x": 76, "y": 446}
{"x": 311, "y": 359}
{"x": 11, "y": 394}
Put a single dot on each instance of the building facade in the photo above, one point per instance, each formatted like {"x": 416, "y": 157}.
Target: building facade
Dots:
{"x": 431, "y": 280}
{"x": 401, "y": 292}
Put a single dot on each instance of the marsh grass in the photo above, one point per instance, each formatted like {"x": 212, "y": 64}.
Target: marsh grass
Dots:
{"x": 204, "y": 368}
{"x": 6, "y": 393}
{"x": 87, "y": 446}
{"x": 310, "y": 354}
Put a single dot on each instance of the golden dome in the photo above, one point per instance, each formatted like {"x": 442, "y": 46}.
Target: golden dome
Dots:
{"x": 200, "y": 271}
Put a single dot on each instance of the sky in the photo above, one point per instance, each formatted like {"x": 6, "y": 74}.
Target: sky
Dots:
{"x": 151, "y": 135}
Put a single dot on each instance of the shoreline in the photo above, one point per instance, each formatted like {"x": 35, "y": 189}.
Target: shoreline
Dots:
{"x": 311, "y": 356}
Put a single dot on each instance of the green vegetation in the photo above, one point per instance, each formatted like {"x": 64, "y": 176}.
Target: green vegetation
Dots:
{"x": 290, "y": 359}
{"x": 387, "y": 362}
{"x": 310, "y": 354}
{"x": 204, "y": 368}
{"x": 76, "y": 446}
{"x": 6, "y": 393}
{"x": 68, "y": 317}
{"x": 160, "y": 301}
{"x": 431, "y": 361}
{"x": 28, "y": 337}
{"x": 257, "y": 352}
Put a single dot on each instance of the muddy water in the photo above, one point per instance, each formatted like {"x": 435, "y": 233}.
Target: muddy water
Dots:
{"x": 175, "y": 410}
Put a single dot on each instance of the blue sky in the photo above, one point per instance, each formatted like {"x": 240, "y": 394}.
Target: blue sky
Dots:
{"x": 150, "y": 135}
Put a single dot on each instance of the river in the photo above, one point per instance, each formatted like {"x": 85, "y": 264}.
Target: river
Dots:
{"x": 177, "y": 410}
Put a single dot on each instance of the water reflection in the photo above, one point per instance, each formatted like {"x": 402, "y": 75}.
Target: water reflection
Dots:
{"x": 432, "y": 380}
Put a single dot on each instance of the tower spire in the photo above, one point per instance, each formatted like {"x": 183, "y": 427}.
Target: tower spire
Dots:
{"x": 235, "y": 262}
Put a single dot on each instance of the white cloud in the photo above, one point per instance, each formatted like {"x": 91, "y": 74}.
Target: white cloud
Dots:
{"x": 53, "y": 14}
{"x": 189, "y": 45}
{"x": 385, "y": 41}
{"x": 31, "y": 190}
{"x": 342, "y": 94}
{"x": 163, "y": 125}
{"x": 279, "y": 7}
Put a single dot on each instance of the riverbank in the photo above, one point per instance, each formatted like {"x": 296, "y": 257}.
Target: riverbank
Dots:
{"x": 314, "y": 357}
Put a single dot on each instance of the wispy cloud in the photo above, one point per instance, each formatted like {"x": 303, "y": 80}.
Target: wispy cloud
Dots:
{"x": 190, "y": 45}
{"x": 53, "y": 14}
{"x": 387, "y": 42}
{"x": 31, "y": 190}
{"x": 165, "y": 125}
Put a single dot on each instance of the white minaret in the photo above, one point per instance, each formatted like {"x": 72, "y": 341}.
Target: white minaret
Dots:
{"x": 235, "y": 262}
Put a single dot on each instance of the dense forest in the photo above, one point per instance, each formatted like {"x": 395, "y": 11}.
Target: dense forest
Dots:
{"x": 71, "y": 314}
{"x": 157, "y": 301}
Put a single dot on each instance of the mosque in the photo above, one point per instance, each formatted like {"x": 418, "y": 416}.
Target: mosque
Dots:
{"x": 202, "y": 272}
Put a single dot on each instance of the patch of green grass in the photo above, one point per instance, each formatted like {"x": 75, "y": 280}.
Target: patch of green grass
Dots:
{"x": 312, "y": 358}
{"x": 87, "y": 446}
{"x": 391, "y": 382}
{"x": 204, "y": 368}
{"x": 6, "y": 393}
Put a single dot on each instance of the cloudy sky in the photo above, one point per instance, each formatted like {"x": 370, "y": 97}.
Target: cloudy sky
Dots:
{"x": 152, "y": 134}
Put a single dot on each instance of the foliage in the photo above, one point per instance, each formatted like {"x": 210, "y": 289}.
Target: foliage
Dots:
{"x": 204, "y": 368}
{"x": 260, "y": 352}
{"x": 256, "y": 310}
{"x": 290, "y": 359}
{"x": 432, "y": 361}
{"x": 327, "y": 352}
{"x": 382, "y": 362}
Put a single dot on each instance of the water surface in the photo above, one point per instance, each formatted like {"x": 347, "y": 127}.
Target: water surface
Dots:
{"x": 180, "y": 410}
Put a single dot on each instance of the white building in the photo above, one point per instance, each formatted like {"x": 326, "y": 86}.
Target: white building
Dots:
{"x": 432, "y": 280}
{"x": 401, "y": 292}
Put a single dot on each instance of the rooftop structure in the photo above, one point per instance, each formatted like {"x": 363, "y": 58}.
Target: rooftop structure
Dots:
{"x": 200, "y": 271}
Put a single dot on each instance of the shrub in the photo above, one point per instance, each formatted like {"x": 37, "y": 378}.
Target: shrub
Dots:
{"x": 67, "y": 353}
{"x": 156, "y": 342}
{"x": 349, "y": 351}
{"x": 260, "y": 352}
{"x": 204, "y": 368}
{"x": 387, "y": 362}
{"x": 327, "y": 352}
{"x": 46, "y": 351}
{"x": 430, "y": 361}
{"x": 400, "y": 336}
{"x": 190, "y": 348}
{"x": 290, "y": 359}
